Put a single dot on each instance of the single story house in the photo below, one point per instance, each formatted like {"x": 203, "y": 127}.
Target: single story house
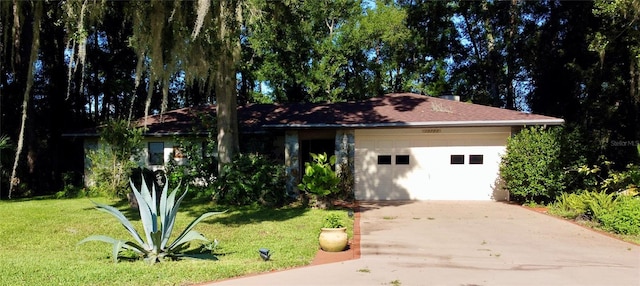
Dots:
{"x": 401, "y": 146}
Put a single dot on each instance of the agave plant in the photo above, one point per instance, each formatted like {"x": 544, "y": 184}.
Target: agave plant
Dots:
{"x": 158, "y": 219}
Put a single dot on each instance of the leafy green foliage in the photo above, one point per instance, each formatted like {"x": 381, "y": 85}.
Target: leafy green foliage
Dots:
{"x": 569, "y": 206}
{"x": 333, "y": 220}
{"x": 624, "y": 181}
{"x": 199, "y": 165}
{"x": 624, "y": 218}
{"x": 319, "y": 177}
{"x": 4, "y": 142}
{"x": 618, "y": 213}
{"x": 605, "y": 178}
{"x": 531, "y": 168}
{"x": 586, "y": 205}
{"x": 108, "y": 174}
{"x": 111, "y": 163}
{"x": 70, "y": 189}
{"x": 249, "y": 179}
{"x": 158, "y": 216}
{"x": 196, "y": 166}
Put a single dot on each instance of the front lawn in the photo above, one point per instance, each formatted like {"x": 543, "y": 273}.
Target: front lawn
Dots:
{"x": 38, "y": 244}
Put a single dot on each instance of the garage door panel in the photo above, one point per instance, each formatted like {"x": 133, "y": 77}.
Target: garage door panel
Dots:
{"x": 429, "y": 174}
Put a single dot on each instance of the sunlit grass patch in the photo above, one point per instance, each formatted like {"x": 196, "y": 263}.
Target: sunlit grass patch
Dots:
{"x": 40, "y": 243}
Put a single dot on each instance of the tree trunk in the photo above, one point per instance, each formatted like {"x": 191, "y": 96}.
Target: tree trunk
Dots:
{"x": 226, "y": 93}
{"x": 634, "y": 79}
{"x": 510, "y": 97}
{"x": 492, "y": 56}
{"x": 35, "y": 46}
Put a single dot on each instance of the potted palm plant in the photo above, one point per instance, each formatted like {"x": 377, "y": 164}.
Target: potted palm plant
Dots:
{"x": 333, "y": 234}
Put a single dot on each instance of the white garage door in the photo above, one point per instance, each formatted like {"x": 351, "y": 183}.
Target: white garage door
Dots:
{"x": 429, "y": 164}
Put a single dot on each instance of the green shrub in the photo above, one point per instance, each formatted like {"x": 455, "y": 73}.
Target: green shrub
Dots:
{"x": 623, "y": 181}
{"x": 589, "y": 205}
{"x": 158, "y": 216}
{"x": 112, "y": 162}
{"x": 249, "y": 179}
{"x": 108, "y": 173}
{"x": 603, "y": 178}
{"x": 319, "y": 177}
{"x": 70, "y": 189}
{"x": 531, "y": 167}
{"x": 569, "y": 206}
{"x": 599, "y": 203}
{"x": 624, "y": 218}
{"x": 619, "y": 214}
{"x": 200, "y": 168}
{"x": 333, "y": 220}
{"x": 577, "y": 151}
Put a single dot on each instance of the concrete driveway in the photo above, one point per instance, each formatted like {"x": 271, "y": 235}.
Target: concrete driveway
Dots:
{"x": 469, "y": 243}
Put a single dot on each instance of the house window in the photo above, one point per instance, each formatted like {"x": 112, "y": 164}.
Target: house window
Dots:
{"x": 402, "y": 159}
{"x": 457, "y": 159}
{"x": 156, "y": 153}
{"x": 384, "y": 159}
{"x": 476, "y": 159}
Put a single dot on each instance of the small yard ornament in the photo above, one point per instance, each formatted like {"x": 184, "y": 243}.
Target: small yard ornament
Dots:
{"x": 265, "y": 253}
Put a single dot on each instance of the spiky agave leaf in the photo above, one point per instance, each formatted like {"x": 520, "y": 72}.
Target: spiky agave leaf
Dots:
{"x": 147, "y": 211}
{"x": 154, "y": 249}
{"x": 118, "y": 245}
{"x": 169, "y": 213}
{"x": 122, "y": 219}
{"x": 187, "y": 235}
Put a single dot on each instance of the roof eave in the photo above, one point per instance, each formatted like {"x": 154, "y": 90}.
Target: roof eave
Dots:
{"x": 177, "y": 133}
{"x": 80, "y": 135}
{"x": 479, "y": 123}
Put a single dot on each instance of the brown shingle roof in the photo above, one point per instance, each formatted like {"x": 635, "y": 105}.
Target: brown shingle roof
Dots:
{"x": 391, "y": 110}
{"x": 400, "y": 109}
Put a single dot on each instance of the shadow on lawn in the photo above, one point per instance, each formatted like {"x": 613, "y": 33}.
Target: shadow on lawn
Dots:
{"x": 251, "y": 215}
{"x": 235, "y": 216}
{"x": 123, "y": 206}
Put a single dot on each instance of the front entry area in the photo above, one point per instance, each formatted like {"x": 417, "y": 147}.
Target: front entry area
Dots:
{"x": 429, "y": 163}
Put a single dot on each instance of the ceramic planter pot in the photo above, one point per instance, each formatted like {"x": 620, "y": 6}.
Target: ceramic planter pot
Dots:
{"x": 333, "y": 239}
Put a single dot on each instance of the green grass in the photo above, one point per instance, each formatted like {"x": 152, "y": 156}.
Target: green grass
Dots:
{"x": 39, "y": 243}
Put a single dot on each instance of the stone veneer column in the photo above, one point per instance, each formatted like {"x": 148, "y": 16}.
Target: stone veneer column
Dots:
{"x": 345, "y": 148}
{"x": 292, "y": 162}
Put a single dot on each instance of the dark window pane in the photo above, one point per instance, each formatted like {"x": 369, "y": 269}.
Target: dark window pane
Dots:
{"x": 402, "y": 159}
{"x": 476, "y": 159}
{"x": 457, "y": 159}
{"x": 384, "y": 159}
{"x": 156, "y": 153}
